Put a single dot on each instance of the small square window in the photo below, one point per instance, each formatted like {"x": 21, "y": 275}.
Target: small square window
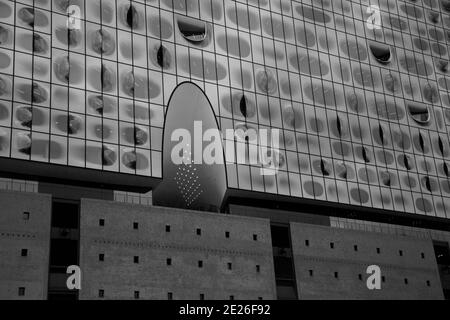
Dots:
{"x": 26, "y": 215}
{"x": 422, "y": 255}
{"x": 135, "y": 225}
{"x": 200, "y": 264}
{"x": 378, "y": 250}
{"x": 400, "y": 253}
{"x": 231, "y": 297}
{"x": 169, "y": 261}
{"x": 21, "y": 291}
{"x": 332, "y": 245}
{"x": 202, "y": 296}
{"x": 406, "y": 280}
{"x": 24, "y": 252}
{"x": 136, "y": 259}
{"x": 258, "y": 268}
{"x": 255, "y": 237}
{"x": 428, "y": 283}
{"x": 136, "y": 294}
{"x": 101, "y": 257}
{"x": 230, "y": 266}
{"x": 167, "y": 228}
{"x": 101, "y": 222}
{"x": 227, "y": 234}
{"x": 169, "y": 296}
{"x": 101, "y": 293}
{"x": 360, "y": 276}
{"x": 199, "y": 231}
{"x": 383, "y": 279}
{"x": 336, "y": 275}
{"x": 307, "y": 243}
{"x": 355, "y": 247}
{"x": 311, "y": 273}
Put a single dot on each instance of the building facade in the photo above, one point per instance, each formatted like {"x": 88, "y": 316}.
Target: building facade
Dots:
{"x": 339, "y": 113}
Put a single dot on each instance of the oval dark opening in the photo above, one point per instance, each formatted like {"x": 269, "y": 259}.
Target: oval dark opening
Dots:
{"x": 191, "y": 29}
{"x": 419, "y": 112}
{"x": 323, "y": 168}
{"x": 381, "y": 53}
{"x": 364, "y": 155}
{"x": 243, "y": 106}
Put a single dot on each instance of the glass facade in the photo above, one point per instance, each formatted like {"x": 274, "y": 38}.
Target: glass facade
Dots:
{"x": 363, "y": 110}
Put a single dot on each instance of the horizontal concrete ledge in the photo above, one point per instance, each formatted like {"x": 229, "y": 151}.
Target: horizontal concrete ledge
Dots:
{"x": 331, "y": 209}
{"x": 85, "y": 177}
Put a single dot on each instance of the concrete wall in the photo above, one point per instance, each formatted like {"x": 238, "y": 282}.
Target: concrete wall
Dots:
{"x": 325, "y": 261}
{"x": 120, "y": 277}
{"x": 279, "y": 216}
{"x": 30, "y": 272}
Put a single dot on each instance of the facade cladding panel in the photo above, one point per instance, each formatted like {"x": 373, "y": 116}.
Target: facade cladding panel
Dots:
{"x": 334, "y": 263}
{"x": 362, "y": 111}
{"x": 170, "y": 244}
{"x": 24, "y": 245}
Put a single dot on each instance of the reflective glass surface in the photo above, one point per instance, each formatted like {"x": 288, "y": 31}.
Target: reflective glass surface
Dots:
{"x": 364, "y": 112}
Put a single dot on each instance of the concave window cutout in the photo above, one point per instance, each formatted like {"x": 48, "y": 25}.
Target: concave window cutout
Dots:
{"x": 339, "y": 126}
{"x": 428, "y": 184}
{"x": 323, "y": 168}
{"x": 421, "y": 143}
{"x": 163, "y": 57}
{"x": 442, "y": 65}
{"x": 132, "y": 17}
{"x": 365, "y": 155}
{"x": 192, "y": 30}
{"x": 381, "y": 53}
{"x": 441, "y": 146}
{"x": 446, "y": 170}
{"x": 419, "y": 113}
{"x": 381, "y": 133}
{"x": 243, "y": 106}
{"x": 246, "y": 132}
{"x": 406, "y": 162}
